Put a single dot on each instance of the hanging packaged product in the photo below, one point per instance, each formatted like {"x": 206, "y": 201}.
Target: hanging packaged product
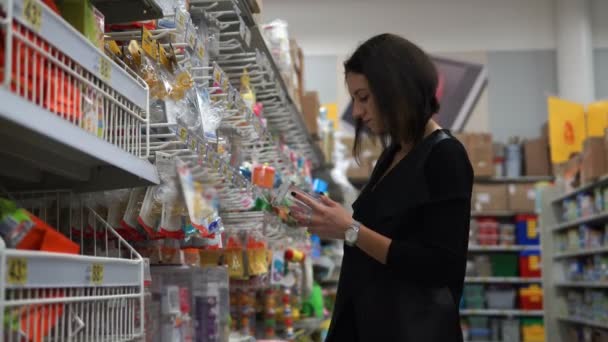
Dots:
{"x": 263, "y": 176}
{"x": 198, "y": 208}
{"x": 129, "y": 222}
{"x": 257, "y": 262}
{"x": 233, "y": 255}
{"x": 117, "y": 201}
{"x": 151, "y": 210}
{"x": 214, "y": 38}
{"x": 246, "y": 92}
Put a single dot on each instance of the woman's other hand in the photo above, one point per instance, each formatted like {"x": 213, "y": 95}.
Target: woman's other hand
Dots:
{"x": 328, "y": 220}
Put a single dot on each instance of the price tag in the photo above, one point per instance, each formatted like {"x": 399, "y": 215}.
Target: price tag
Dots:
{"x": 200, "y": 49}
{"x": 183, "y": 134}
{"x": 534, "y": 262}
{"x": 217, "y": 75}
{"x": 148, "y": 44}
{"x": 258, "y": 60}
{"x": 225, "y": 84}
{"x": 97, "y": 274}
{"x": 191, "y": 37}
{"x": 531, "y": 229}
{"x": 17, "y": 271}
{"x": 105, "y": 68}
{"x": 32, "y": 12}
{"x": 247, "y": 36}
{"x": 242, "y": 28}
{"x": 180, "y": 20}
{"x": 193, "y": 144}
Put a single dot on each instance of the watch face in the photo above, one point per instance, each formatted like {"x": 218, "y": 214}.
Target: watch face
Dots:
{"x": 350, "y": 236}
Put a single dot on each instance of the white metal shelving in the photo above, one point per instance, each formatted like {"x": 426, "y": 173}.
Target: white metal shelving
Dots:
{"x": 499, "y": 312}
{"x": 509, "y": 280}
{"x": 503, "y": 248}
{"x": 79, "y": 120}
{"x": 53, "y": 153}
{"x": 581, "y": 252}
{"x": 583, "y": 284}
{"x": 556, "y": 261}
{"x": 596, "y": 218}
{"x": 586, "y": 322}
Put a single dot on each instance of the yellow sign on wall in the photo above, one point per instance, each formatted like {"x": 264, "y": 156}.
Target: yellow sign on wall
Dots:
{"x": 597, "y": 119}
{"x": 566, "y": 128}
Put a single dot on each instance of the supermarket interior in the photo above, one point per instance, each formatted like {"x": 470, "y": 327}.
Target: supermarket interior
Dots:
{"x": 166, "y": 167}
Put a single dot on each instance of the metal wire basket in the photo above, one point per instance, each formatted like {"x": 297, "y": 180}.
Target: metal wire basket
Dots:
{"x": 95, "y": 296}
{"x": 46, "y": 62}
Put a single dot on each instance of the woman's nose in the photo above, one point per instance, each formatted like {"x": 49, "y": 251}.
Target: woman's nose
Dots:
{"x": 357, "y": 110}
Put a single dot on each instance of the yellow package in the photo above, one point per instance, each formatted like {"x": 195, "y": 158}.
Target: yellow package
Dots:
{"x": 566, "y": 128}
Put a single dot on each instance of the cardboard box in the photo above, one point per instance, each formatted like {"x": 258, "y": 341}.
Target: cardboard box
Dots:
{"x": 522, "y": 197}
{"x": 593, "y": 163}
{"x": 359, "y": 172}
{"x": 310, "y": 111}
{"x": 370, "y": 147}
{"x": 536, "y": 157}
{"x": 480, "y": 149}
{"x": 489, "y": 197}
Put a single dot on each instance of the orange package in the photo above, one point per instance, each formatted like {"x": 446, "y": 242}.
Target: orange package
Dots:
{"x": 43, "y": 237}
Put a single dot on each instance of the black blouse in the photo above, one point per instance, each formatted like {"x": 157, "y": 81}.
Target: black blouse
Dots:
{"x": 423, "y": 204}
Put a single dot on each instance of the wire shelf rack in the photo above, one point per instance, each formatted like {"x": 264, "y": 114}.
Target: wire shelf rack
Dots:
{"x": 96, "y": 295}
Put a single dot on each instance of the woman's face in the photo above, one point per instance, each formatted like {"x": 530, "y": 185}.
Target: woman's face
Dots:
{"x": 364, "y": 103}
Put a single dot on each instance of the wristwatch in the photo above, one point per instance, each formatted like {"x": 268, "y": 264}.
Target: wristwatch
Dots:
{"x": 352, "y": 233}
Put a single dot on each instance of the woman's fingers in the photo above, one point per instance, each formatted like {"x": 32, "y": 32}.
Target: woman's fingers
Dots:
{"x": 309, "y": 201}
{"x": 327, "y": 201}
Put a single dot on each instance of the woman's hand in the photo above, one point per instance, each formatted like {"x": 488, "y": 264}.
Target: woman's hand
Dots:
{"x": 329, "y": 220}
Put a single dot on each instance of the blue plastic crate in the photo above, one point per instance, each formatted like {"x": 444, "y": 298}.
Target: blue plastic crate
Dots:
{"x": 526, "y": 231}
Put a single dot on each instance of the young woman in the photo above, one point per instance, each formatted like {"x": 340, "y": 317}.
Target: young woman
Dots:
{"x": 406, "y": 243}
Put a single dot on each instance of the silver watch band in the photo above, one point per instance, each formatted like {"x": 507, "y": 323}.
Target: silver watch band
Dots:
{"x": 352, "y": 233}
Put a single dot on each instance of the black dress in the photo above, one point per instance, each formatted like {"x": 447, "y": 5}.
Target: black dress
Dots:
{"x": 423, "y": 204}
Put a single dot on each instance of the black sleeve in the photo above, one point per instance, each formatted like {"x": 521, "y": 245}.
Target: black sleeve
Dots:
{"x": 436, "y": 255}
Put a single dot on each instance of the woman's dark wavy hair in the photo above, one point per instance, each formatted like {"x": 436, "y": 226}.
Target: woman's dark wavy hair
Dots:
{"x": 403, "y": 81}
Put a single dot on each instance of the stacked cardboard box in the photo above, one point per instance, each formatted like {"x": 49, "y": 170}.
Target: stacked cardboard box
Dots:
{"x": 593, "y": 159}
{"x": 370, "y": 151}
{"x": 489, "y": 197}
{"x": 310, "y": 111}
{"x": 522, "y": 197}
{"x": 536, "y": 152}
{"x": 481, "y": 153}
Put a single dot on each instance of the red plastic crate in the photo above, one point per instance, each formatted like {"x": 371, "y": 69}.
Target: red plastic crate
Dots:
{"x": 531, "y": 298}
{"x": 529, "y": 264}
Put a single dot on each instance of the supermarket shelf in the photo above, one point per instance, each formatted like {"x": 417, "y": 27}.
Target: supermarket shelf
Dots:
{"x": 54, "y": 154}
{"x": 601, "y": 181}
{"x": 590, "y": 323}
{"x": 514, "y": 248}
{"x": 57, "y": 270}
{"x": 523, "y": 179}
{"x": 582, "y": 252}
{"x": 499, "y": 213}
{"x": 496, "y": 312}
{"x": 583, "y": 284}
{"x": 603, "y": 216}
{"x": 295, "y": 133}
{"x": 511, "y": 280}
{"x": 59, "y": 33}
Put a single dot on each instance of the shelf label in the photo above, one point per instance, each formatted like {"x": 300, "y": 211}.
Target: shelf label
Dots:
{"x": 17, "y": 271}
{"x": 200, "y": 49}
{"x": 183, "y": 134}
{"x": 32, "y": 12}
{"x": 105, "y": 68}
{"x": 97, "y": 274}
